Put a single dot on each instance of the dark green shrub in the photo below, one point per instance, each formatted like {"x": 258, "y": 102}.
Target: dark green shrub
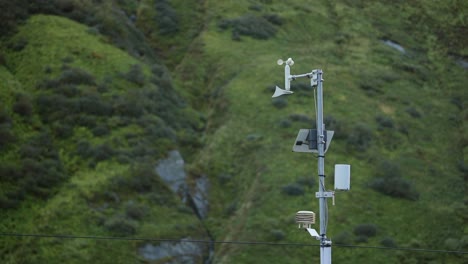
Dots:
{"x": 129, "y": 106}
{"x": 413, "y": 112}
{"x": 135, "y": 75}
{"x": 452, "y": 244}
{"x": 48, "y": 173}
{"x": 6, "y": 135}
{"x": 9, "y": 172}
{"x": 285, "y": 123}
{"x": 274, "y": 19}
{"x": 142, "y": 149}
{"x": 30, "y": 151}
{"x": 395, "y": 187}
{"x": 135, "y": 211}
{"x": 52, "y": 107}
{"x": 306, "y": 181}
{"x": 2, "y": 59}
{"x": 302, "y": 118}
{"x": 38, "y": 177}
{"x": 458, "y": 102}
{"x": 123, "y": 158}
{"x": 4, "y": 117}
{"x": 66, "y": 61}
{"x": 331, "y": 123}
{"x": 144, "y": 179}
{"x": 256, "y": 27}
{"x": 235, "y": 36}
{"x": 76, "y": 76}
{"x": 384, "y": 122}
{"x": 361, "y": 239}
{"x": 47, "y": 69}
{"x": 250, "y": 25}
{"x": 95, "y": 153}
{"x": 279, "y": 102}
{"x": 9, "y": 203}
{"x": 372, "y": 85}
{"x": 23, "y": 105}
{"x": 94, "y": 105}
{"x": 166, "y": 18}
{"x": 157, "y": 129}
{"x": 304, "y": 88}
{"x": 100, "y": 130}
{"x": 83, "y": 148}
{"x": 158, "y": 70}
{"x": 278, "y": 234}
{"x": 164, "y": 198}
{"x": 360, "y": 137}
{"x": 224, "y": 178}
{"x": 388, "y": 169}
{"x": 40, "y": 146}
{"x": 255, "y": 7}
{"x": 404, "y": 130}
{"x": 121, "y": 226}
{"x": 69, "y": 90}
{"x": 366, "y": 230}
{"x": 224, "y": 24}
{"x": 254, "y": 137}
{"x": 388, "y": 242}
{"x": 343, "y": 238}
{"x": 12, "y": 14}
{"x": 48, "y": 84}
{"x": 463, "y": 168}
{"x": 231, "y": 208}
{"x": 293, "y": 189}
{"x": 103, "y": 86}
{"x": 388, "y": 181}
{"x": 18, "y": 45}
{"x": 102, "y": 152}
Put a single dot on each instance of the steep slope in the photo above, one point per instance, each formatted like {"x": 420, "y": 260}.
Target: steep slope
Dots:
{"x": 397, "y": 117}
{"x": 83, "y": 124}
{"x": 89, "y": 123}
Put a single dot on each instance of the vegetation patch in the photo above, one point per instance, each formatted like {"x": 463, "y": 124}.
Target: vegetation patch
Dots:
{"x": 389, "y": 181}
{"x": 166, "y": 17}
{"x": 251, "y": 25}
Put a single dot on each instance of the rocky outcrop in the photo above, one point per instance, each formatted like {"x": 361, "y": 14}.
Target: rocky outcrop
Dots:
{"x": 172, "y": 172}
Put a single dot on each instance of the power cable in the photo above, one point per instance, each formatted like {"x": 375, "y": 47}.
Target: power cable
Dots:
{"x": 265, "y": 243}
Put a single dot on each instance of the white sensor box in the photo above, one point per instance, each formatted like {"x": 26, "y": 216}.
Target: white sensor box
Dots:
{"x": 342, "y": 177}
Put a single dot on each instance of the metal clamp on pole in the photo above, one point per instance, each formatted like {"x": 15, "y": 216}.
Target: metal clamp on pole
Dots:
{"x": 324, "y": 194}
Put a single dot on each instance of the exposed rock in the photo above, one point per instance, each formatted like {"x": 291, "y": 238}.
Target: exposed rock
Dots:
{"x": 199, "y": 196}
{"x": 172, "y": 172}
{"x": 463, "y": 63}
{"x": 394, "y": 45}
{"x": 184, "y": 252}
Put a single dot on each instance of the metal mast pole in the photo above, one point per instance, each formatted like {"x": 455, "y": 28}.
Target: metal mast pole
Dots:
{"x": 325, "y": 244}
{"x": 306, "y": 143}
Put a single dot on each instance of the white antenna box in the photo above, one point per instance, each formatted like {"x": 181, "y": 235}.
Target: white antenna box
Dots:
{"x": 342, "y": 177}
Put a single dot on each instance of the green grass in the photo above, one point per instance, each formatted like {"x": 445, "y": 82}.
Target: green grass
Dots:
{"x": 79, "y": 206}
{"x": 244, "y": 149}
{"x": 264, "y": 166}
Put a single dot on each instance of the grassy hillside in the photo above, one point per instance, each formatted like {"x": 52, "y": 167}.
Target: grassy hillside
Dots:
{"x": 87, "y": 109}
{"x": 87, "y": 123}
{"x": 385, "y": 107}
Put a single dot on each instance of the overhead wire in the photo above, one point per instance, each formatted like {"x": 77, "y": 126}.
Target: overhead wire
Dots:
{"x": 252, "y": 243}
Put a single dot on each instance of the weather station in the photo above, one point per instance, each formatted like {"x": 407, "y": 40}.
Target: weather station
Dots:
{"x": 316, "y": 141}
